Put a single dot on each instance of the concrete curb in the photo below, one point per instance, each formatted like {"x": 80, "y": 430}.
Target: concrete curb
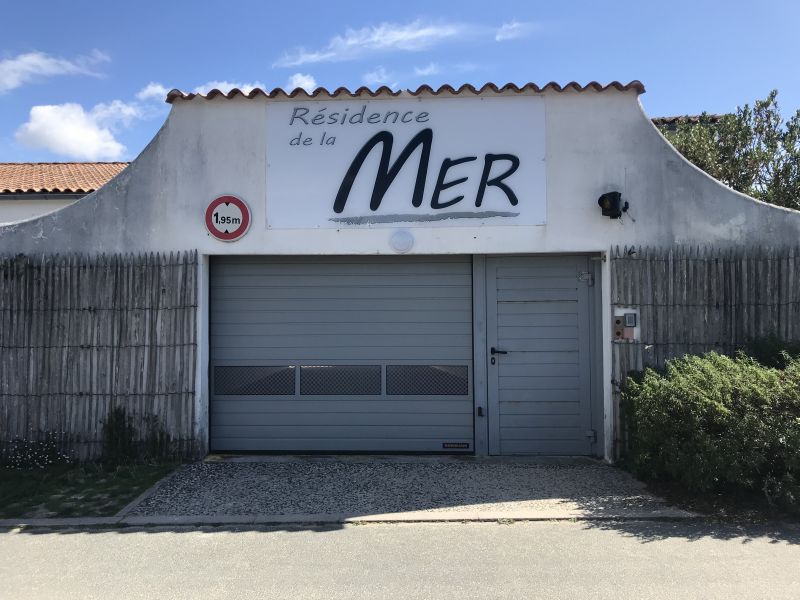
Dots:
{"x": 62, "y": 522}
{"x": 343, "y": 519}
{"x": 148, "y": 492}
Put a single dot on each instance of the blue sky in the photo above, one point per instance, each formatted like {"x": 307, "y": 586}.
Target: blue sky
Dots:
{"x": 87, "y": 82}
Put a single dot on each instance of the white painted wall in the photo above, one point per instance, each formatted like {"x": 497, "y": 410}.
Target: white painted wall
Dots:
{"x": 24, "y": 209}
{"x": 595, "y": 142}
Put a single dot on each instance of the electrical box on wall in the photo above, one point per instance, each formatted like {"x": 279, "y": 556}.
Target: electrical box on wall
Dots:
{"x": 626, "y": 324}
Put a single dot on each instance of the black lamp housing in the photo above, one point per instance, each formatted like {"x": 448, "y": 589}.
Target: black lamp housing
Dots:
{"x": 612, "y": 205}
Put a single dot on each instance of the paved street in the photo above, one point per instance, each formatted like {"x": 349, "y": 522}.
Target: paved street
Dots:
{"x": 439, "y": 561}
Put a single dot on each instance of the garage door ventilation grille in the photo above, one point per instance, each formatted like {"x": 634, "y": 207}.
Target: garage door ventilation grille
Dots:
{"x": 254, "y": 381}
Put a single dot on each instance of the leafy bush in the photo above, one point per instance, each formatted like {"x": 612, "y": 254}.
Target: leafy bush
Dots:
{"x": 713, "y": 422}
{"x": 38, "y": 451}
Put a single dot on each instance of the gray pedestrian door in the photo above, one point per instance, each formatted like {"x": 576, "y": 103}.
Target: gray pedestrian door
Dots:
{"x": 539, "y": 367}
{"x": 341, "y": 354}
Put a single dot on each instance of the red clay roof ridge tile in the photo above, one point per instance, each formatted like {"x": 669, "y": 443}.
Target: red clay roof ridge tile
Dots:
{"x": 634, "y": 85}
{"x": 66, "y": 162}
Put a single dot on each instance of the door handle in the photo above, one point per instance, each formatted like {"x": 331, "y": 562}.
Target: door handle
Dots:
{"x": 494, "y": 351}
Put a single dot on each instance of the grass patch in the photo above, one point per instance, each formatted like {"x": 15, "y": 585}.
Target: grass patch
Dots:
{"x": 88, "y": 490}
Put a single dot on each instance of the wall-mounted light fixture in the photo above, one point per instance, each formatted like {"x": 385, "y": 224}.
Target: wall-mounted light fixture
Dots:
{"x": 612, "y": 205}
{"x": 401, "y": 241}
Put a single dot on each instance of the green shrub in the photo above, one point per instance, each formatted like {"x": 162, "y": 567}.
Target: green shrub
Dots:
{"x": 713, "y": 422}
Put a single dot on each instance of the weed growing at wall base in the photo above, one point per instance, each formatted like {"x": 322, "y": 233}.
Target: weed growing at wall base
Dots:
{"x": 125, "y": 444}
{"x": 40, "y": 450}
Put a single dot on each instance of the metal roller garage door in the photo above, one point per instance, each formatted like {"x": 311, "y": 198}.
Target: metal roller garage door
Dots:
{"x": 331, "y": 354}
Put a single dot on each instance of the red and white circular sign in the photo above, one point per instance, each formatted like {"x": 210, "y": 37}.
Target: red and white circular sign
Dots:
{"x": 227, "y": 218}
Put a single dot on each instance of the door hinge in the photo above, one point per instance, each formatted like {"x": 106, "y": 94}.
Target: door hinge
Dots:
{"x": 587, "y": 277}
{"x": 592, "y": 435}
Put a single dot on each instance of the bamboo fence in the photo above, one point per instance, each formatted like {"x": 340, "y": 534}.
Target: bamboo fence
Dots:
{"x": 80, "y": 335}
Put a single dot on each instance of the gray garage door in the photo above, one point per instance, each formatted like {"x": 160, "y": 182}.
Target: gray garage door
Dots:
{"x": 341, "y": 354}
{"x": 539, "y": 376}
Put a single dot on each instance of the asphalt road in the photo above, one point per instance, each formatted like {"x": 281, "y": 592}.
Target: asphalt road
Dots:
{"x": 440, "y": 561}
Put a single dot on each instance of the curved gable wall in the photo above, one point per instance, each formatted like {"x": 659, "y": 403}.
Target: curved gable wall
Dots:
{"x": 595, "y": 142}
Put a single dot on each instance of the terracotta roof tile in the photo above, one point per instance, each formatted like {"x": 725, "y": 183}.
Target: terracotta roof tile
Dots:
{"x": 635, "y": 85}
{"x": 23, "y": 178}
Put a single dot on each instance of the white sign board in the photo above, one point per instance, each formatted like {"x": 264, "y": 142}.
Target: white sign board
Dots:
{"x": 407, "y": 162}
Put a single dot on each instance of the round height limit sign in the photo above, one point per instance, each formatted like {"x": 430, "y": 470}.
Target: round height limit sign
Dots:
{"x": 227, "y": 218}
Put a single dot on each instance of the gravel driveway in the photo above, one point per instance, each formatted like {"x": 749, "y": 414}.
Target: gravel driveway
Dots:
{"x": 391, "y": 485}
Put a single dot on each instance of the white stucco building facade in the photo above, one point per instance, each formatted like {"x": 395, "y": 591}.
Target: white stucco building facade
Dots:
{"x": 404, "y": 319}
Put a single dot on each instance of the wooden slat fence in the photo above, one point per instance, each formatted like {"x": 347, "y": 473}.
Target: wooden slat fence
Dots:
{"x": 693, "y": 300}
{"x": 80, "y": 335}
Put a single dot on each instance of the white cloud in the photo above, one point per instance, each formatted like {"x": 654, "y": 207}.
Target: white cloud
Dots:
{"x": 431, "y": 69}
{"x": 152, "y": 91}
{"x": 301, "y": 80}
{"x": 71, "y": 131}
{"x": 379, "y": 77}
{"x": 355, "y": 43}
{"x": 116, "y": 113}
{"x": 227, "y": 86}
{"x": 80, "y": 134}
{"x": 514, "y": 30}
{"x": 68, "y": 130}
{"x": 31, "y": 66}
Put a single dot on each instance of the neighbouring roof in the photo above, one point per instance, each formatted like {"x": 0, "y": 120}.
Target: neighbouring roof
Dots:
{"x": 635, "y": 85}
{"x": 67, "y": 177}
